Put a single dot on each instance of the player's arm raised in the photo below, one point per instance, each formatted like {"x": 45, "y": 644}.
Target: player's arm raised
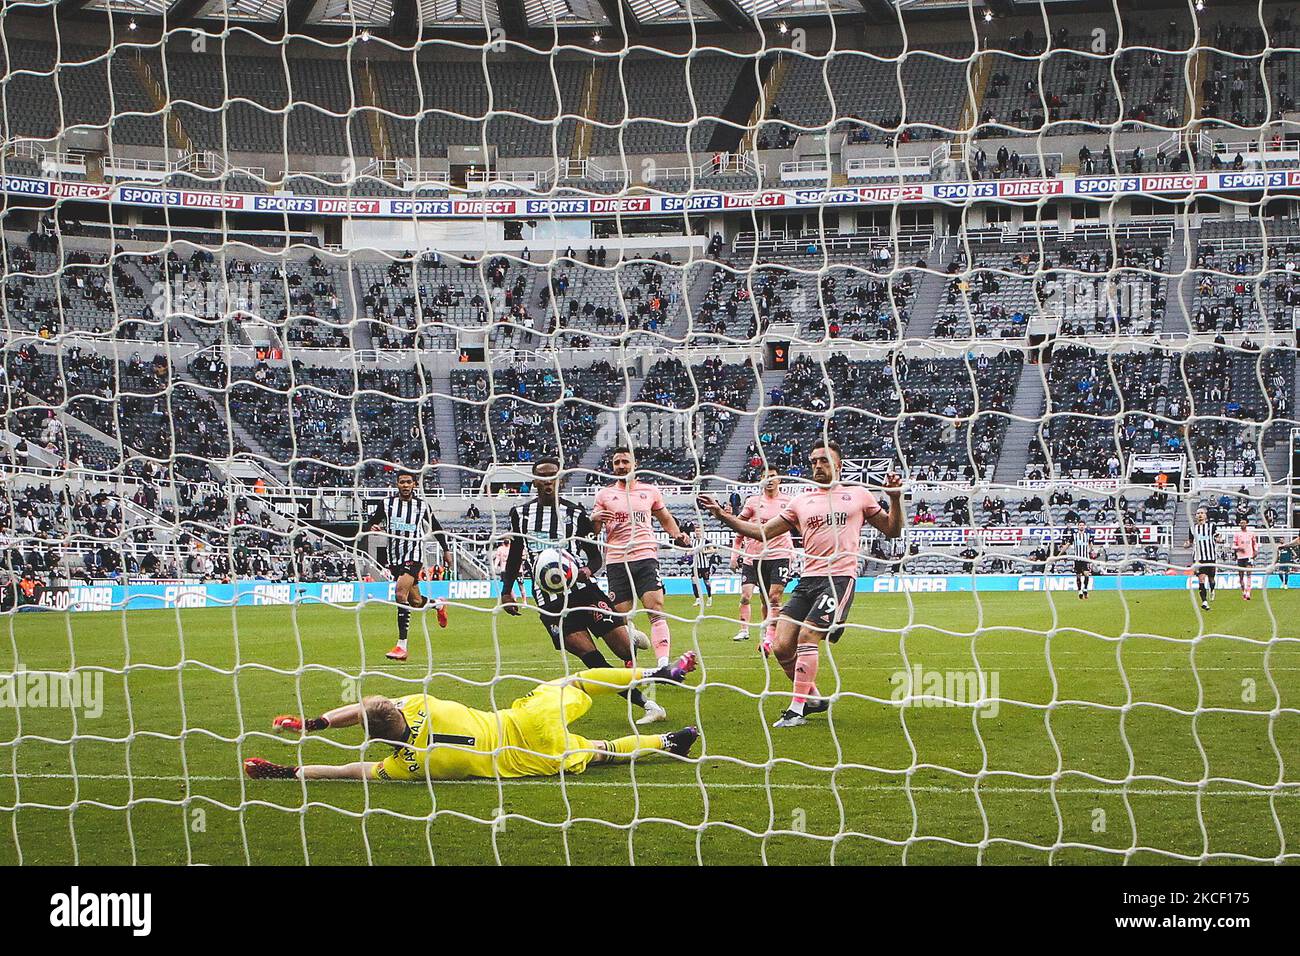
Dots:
{"x": 891, "y": 524}
{"x": 750, "y": 529}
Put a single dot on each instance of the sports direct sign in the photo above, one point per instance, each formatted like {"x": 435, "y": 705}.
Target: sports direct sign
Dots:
{"x": 955, "y": 537}
{"x": 494, "y": 207}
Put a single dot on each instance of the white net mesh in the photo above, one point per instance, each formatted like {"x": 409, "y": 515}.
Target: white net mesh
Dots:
{"x": 1041, "y": 266}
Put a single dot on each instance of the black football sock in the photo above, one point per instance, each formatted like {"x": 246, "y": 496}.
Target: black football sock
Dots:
{"x": 1201, "y": 588}
{"x": 593, "y": 659}
{"x": 403, "y": 622}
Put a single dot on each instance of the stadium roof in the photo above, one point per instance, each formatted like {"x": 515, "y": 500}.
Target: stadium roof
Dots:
{"x": 444, "y": 14}
{"x": 408, "y": 17}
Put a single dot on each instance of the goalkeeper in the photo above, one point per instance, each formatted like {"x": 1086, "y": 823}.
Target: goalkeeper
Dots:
{"x": 439, "y": 739}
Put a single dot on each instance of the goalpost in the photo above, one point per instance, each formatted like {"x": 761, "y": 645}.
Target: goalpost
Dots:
{"x": 234, "y": 317}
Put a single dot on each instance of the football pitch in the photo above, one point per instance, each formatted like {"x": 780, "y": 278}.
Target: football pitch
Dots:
{"x": 1130, "y": 728}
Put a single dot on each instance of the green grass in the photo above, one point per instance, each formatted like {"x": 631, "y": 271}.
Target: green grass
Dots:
{"x": 1187, "y": 701}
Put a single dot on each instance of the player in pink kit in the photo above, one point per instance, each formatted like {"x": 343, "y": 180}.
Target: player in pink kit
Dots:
{"x": 830, "y": 519}
{"x": 625, "y": 511}
{"x": 1246, "y": 547}
{"x": 764, "y": 565}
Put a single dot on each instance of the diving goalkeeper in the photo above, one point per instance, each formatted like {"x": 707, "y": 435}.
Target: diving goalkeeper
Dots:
{"x": 439, "y": 739}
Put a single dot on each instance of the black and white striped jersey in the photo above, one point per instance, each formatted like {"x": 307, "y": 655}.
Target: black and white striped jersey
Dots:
{"x": 704, "y": 558}
{"x": 407, "y": 526}
{"x": 536, "y": 526}
{"x": 1205, "y": 549}
{"x": 1081, "y": 545}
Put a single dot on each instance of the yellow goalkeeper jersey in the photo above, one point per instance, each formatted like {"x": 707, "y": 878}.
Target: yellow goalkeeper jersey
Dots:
{"x": 449, "y": 741}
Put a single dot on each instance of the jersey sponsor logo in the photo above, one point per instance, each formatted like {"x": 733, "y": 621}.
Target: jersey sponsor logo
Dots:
{"x": 832, "y": 519}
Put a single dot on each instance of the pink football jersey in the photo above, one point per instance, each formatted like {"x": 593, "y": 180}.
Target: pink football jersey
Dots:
{"x": 830, "y": 521}
{"x": 1245, "y": 544}
{"x": 761, "y": 509}
{"x": 628, "y": 515}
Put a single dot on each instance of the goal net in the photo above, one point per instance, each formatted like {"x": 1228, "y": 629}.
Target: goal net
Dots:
{"x": 261, "y": 264}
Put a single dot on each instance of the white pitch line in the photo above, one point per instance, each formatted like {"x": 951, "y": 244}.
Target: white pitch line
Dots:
{"x": 1289, "y": 791}
{"x": 441, "y": 665}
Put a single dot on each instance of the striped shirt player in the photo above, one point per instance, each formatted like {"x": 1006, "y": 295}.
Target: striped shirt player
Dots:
{"x": 585, "y": 610}
{"x": 702, "y": 562}
{"x": 1203, "y": 539}
{"x": 407, "y": 522}
{"x": 1079, "y": 548}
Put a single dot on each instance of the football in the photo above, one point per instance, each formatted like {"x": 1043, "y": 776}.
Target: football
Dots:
{"x": 555, "y": 571}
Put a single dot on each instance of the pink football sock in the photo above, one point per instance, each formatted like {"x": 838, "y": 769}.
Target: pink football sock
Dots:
{"x": 805, "y": 673}
{"x": 659, "y": 638}
{"x": 773, "y": 614}
{"x": 744, "y": 616}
